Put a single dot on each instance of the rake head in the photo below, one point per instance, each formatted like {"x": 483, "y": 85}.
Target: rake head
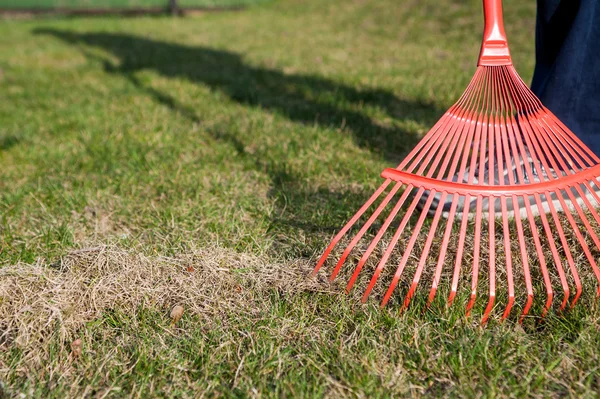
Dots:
{"x": 499, "y": 183}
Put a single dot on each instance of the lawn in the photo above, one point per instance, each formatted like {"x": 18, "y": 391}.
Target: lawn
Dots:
{"x": 205, "y": 162}
{"x": 83, "y": 4}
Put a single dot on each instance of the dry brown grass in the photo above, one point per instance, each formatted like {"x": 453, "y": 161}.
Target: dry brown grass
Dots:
{"x": 208, "y": 283}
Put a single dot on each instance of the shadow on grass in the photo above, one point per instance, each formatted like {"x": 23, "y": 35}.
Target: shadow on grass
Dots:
{"x": 301, "y": 98}
{"x": 6, "y": 142}
{"x": 304, "y": 99}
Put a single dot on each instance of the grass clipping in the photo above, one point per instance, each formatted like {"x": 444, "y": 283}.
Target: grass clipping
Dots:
{"x": 40, "y": 299}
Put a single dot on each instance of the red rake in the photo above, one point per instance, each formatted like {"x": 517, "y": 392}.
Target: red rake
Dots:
{"x": 497, "y": 155}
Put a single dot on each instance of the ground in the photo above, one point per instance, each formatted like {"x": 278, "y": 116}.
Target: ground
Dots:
{"x": 79, "y": 4}
{"x": 205, "y": 162}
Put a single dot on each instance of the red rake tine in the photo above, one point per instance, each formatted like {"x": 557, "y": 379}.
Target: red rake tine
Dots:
{"x": 500, "y": 149}
{"x": 458, "y": 260}
{"x": 476, "y": 254}
{"x": 471, "y": 127}
{"x": 478, "y": 143}
{"x": 349, "y": 225}
{"x": 442, "y": 256}
{"x": 364, "y": 229}
{"x": 425, "y": 253}
{"x": 377, "y": 238}
{"x": 408, "y": 250}
{"x": 508, "y": 141}
{"x": 392, "y": 245}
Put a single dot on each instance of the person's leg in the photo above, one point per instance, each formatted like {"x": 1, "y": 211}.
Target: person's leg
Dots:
{"x": 567, "y": 71}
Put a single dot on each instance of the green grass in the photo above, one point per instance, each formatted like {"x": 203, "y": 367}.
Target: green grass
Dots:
{"x": 77, "y": 4}
{"x": 261, "y": 132}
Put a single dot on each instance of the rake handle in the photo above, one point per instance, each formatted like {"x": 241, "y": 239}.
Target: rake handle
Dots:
{"x": 494, "y": 47}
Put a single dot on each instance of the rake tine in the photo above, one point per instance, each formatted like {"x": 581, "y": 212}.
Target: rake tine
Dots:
{"x": 588, "y": 204}
{"x": 439, "y": 130}
{"x": 580, "y": 148}
{"x": 377, "y": 238}
{"x": 499, "y": 133}
{"x": 442, "y": 256}
{"x": 476, "y": 249}
{"x": 478, "y": 214}
{"x": 588, "y": 227}
{"x": 565, "y": 246}
{"x": 424, "y": 147}
{"x": 524, "y": 258}
{"x": 542, "y": 259}
{"x": 472, "y": 129}
{"x": 584, "y": 219}
{"x": 491, "y": 222}
{"x": 594, "y": 213}
{"x": 408, "y": 250}
{"x": 532, "y": 132}
{"x": 508, "y": 260}
{"x": 538, "y": 125}
{"x": 592, "y": 191}
{"x": 393, "y": 243}
{"x": 425, "y": 253}
{"x": 576, "y": 230}
{"x": 492, "y": 263}
{"x": 558, "y": 138}
{"x": 433, "y": 145}
{"x": 478, "y": 144}
{"x": 555, "y": 256}
{"x": 455, "y": 137}
{"x": 447, "y": 130}
{"x": 364, "y": 229}
{"x": 348, "y": 225}
{"x": 508, "y": 132}
{"x": 459, "y": 254}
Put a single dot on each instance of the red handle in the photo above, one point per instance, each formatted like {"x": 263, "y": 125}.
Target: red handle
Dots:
{"x": 494, "y": 48}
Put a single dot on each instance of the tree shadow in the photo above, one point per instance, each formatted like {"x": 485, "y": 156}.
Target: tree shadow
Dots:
{"x": 301, "y": 98}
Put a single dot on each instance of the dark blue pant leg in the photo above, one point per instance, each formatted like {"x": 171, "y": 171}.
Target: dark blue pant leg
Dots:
{"x": 567, "y": 71}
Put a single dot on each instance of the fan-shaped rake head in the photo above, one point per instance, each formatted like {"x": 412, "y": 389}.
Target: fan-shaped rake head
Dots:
{"x": 499, "y": 186}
